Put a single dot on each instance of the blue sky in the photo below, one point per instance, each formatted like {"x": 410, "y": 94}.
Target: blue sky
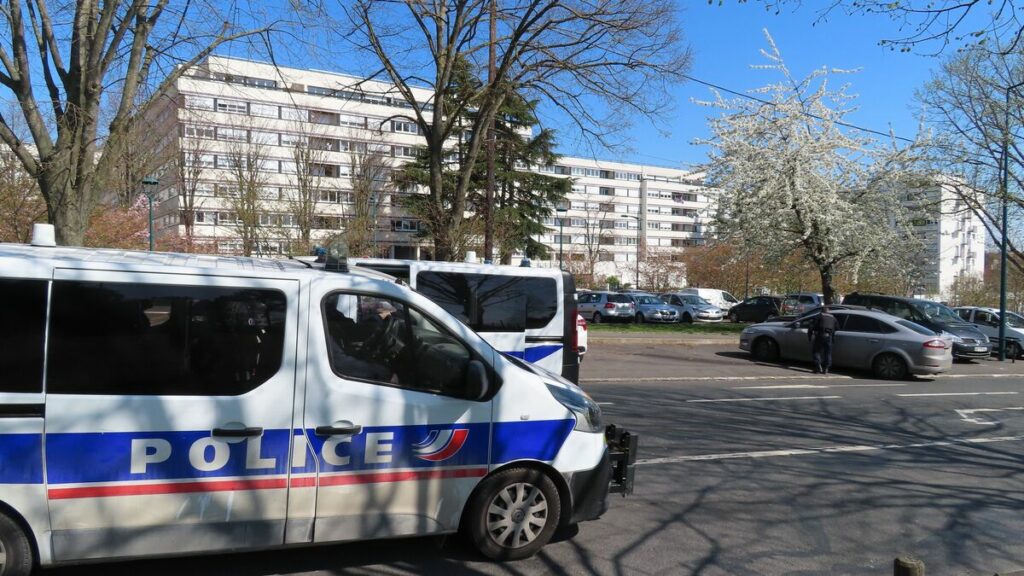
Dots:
{"x": 726, "y": 40}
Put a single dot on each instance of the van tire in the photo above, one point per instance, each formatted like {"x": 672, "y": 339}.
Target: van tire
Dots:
{"x": 15, "y": 550}
{"x": 1012, "y": 350}
{"x": 494, "y": 506}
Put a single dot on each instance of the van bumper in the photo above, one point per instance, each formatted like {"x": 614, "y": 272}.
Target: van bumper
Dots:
{"x": 613, "y": 475}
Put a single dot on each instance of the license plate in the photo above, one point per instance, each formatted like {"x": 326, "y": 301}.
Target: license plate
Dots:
{"x": 979, "y": 348}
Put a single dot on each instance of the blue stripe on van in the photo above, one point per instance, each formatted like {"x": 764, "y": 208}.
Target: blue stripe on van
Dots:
{"x": 535, "y": 353}
{"x": 21, "y": 459}
{"x": 75, "y": 458}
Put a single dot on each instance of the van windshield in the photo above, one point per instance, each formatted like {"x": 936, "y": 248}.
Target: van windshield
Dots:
{"x": 937, "y": 312}
{"x": 729, "y": 297}
{"x": 1014, "y": 320}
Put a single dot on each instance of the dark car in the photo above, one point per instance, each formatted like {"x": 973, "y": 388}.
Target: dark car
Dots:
{"x": 968, "y": 340}
{"x": 755, "y": 309}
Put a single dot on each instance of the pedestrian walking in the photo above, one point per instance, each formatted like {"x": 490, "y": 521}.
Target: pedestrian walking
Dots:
{"x": 821, "y": 332}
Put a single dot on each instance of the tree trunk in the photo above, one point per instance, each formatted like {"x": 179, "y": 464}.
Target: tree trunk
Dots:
{"x": 67, "y": 206}
{"x": 826, "y": 283}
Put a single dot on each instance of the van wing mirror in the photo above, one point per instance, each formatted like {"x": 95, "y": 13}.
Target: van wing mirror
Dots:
{"x": 477, "y": 383}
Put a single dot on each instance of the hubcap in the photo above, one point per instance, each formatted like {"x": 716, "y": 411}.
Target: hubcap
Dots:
{"x": 517, "y": 515}
{"x": 889, "y": 366}
{"x": 3, "y": 558}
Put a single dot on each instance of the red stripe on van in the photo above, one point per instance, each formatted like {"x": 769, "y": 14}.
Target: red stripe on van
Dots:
{"x": 169, "y": 488}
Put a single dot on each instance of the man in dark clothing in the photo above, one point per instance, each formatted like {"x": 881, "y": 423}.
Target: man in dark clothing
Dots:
{"x": 822, "y": 329}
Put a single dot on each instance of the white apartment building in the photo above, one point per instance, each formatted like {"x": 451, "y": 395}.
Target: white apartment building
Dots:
{"x": 953, "y": 235}
{"x": 223, "y": 105}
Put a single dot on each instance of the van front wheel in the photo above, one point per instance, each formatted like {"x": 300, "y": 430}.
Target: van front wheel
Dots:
{"x": 513, "y": 514}
{"x": 15, "y": 551}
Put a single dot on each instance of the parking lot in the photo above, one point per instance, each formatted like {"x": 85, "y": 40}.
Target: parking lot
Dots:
{"x": 751, "y": 468}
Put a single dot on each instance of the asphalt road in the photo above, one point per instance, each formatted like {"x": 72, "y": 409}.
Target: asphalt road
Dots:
{"x": 757, "y": 469}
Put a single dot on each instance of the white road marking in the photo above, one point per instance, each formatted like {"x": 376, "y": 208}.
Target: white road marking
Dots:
{"x": 716, "y": 378}
{"x": 805, "y": 386}
{"x": 765, "y": 399}
{"x": 976, "y": 376}
{"x": 779, "y": 387}
{"x": 966, "y": 415}
{"x": 825, "y": 450}
{"x": 956, "y": 394}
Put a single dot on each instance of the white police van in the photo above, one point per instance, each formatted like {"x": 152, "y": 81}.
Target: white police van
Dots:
{"x": 529, "y": 313}
{"x": 158, "y": 404}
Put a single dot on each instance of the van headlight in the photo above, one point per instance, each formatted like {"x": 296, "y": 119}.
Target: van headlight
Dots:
{"x": 587, "y": 412}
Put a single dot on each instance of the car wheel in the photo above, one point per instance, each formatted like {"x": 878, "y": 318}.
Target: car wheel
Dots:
{"x": 687, "y": 318}
{"x": 766, "y": 349}
{"x": 513, "y": 514}
{"x": 597, "y": 318}
{"x": 639, "y": 318}
{"x": 890, "y": 367}
{"x": 1012, "y": 350}
{"x": 733, "y": 318}
{"x": 15, "y": 551}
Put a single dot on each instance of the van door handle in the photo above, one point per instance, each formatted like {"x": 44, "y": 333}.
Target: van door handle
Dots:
{"x": 338, "y": 430}
{"x": 238, "y": 432}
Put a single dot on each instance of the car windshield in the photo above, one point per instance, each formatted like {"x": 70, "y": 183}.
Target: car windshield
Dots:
{"x": 1014, "y": 320}
{"x": 915, "y": 327}
{"x": 936, "y": 311}
{"x": 648, "y": 300}
{"x": 702, "y": 302}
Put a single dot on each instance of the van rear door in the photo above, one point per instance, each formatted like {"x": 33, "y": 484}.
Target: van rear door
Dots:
{"x": 169, "y": 412}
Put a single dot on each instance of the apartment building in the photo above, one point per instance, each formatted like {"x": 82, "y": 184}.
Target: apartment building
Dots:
{"x": 230, "y": 121}
{"x": 953, "y": 236}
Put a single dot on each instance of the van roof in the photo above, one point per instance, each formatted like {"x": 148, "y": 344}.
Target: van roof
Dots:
{"x": 135, "y": 259}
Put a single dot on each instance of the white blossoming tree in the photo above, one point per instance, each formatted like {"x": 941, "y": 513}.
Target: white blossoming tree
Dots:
{"x": 794, "y": 176}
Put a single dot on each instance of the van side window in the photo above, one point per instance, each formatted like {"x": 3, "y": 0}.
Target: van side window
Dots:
{"x": 22, "y": 333}
{"x": 383, "y": 340}
{"x": 492, "y": 302}
{"x": 153, "y": 339}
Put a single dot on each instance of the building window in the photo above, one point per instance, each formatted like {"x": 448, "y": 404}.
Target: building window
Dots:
{"x": 199, "y": 102}
{"x": 321, "y": 117}
{"x": 405, "y": 225}
{"x": 197, "y": 131}
{"x": 605, "y": 191}
{"x": 232, "y": 134}
{"x": 263, "y": 110}
{"x": 232, "y": 106}
{"x": 405, "y": 127}
{"x": 288, "y": 113}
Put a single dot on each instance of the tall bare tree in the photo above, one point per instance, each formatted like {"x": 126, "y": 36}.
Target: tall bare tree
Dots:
{"x": 308, "y": 154}
{"x": 189, "y": 166}
{"x": 61, "y": 59}
{"x": 596, "y": 230}
{"x": 570, "y": 53}
{"x": 245, "y": 190}
{"x": 974, "y": 103}
{"x": 370, "y": 174}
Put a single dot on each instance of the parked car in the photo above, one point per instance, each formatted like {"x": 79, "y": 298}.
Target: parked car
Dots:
{"x": 581, "y": 336}
{"x": 812, "y": 311}
{"x": 606, "y": 306}
{"x": 968, "y": 340}
{"x": 987, "y": 320}
{"x": 650, "y": 309}
{"x": 799, "y": 302}
{"x": 716, "y": 297}
{"x": 692, "y": 307}
{"x": 890, "y": 347}
{"x": 755, "y": 309}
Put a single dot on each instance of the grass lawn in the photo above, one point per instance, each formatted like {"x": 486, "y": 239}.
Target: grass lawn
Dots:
{"x": 695, "y": 328}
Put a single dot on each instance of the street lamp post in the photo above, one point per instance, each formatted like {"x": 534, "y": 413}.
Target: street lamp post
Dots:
{"x": 636, "y": 284}
{"x": 561, "y": 211}
{"x": 149, "y": 188}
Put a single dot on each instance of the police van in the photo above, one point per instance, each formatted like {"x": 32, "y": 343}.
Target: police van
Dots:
{"x": 158, "y": 404}
{"x": 529, "y": 313}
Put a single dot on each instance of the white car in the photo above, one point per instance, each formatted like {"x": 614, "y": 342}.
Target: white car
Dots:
{"x": 716, "y": 297}
{"x": 693, "y": 308}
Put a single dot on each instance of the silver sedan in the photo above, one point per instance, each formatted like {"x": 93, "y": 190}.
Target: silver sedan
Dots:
{"x": 890, "y": 347}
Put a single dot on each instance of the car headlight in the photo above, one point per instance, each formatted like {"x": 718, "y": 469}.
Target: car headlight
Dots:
{"x": 587, "y": 412}
{"x": 955, "y": 338}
